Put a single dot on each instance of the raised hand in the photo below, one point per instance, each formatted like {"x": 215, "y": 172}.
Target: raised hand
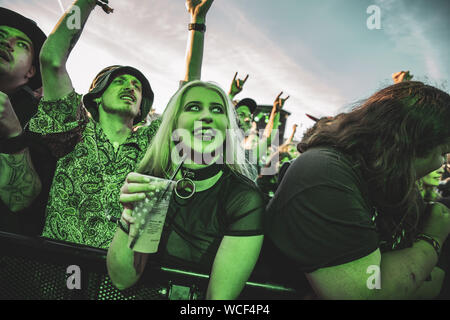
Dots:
{"x": 279, "y": 102}
{"x": 194, "y": 52}
{"x": 9, "y": 123}
{"x": 401, "y": 76}
{"x": 237, "y": 85}
{"x": 198, "y": 9}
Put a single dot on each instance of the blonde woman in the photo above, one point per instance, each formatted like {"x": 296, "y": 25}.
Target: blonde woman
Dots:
{"x": 218, "y": 229}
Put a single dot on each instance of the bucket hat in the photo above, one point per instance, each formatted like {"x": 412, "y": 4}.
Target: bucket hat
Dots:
{"x": 103, "y": 80}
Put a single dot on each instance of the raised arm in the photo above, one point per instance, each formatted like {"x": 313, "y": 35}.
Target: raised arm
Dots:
{"x": 271, "y": 126}
{"x": 194, "y": 51}
{"x": 19, "y": 182}
{"x": 236, "y": 86}
{"x": 56, "y": 49}
{"x": 291, "y": 137}
{"x": 274, "y": 119}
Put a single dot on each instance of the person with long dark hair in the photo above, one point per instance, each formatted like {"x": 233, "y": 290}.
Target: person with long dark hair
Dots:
{"x": 348, "y": 213}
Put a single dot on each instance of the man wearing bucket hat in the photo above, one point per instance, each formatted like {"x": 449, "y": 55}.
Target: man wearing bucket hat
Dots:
{"x": 95, "y": 153}
{"x": 20, "y": 80}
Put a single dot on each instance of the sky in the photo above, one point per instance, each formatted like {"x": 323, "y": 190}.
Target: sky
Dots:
{"x": 320, "y": 53}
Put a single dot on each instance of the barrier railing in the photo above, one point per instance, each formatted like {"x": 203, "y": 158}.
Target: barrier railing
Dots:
{"x": 41, "y": 269}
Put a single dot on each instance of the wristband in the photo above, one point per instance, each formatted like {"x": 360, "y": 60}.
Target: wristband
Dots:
{"x": 13, "y": 145}
{"x": 197, "y": 27}
{"x": 430, "y": 240}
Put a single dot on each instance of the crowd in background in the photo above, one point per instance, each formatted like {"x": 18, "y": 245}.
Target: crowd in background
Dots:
{"x": 74, "y": 167}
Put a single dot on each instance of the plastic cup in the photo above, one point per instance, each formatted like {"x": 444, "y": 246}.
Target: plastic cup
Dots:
{"x": 150, "y": 214}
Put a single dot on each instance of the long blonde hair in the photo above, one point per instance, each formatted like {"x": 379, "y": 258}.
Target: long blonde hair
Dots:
{"x": 157, "y": 160}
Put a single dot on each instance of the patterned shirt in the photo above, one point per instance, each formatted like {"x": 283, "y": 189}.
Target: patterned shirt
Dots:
{"x": 89, "y": 172}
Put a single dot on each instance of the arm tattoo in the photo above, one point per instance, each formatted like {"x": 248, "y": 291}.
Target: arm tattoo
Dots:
{"x": 19, "y": 182}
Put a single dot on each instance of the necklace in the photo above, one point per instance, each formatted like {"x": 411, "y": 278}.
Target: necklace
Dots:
{"x": 202, "y": 173}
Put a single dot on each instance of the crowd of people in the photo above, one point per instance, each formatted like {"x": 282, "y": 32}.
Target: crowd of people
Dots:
{"x": 361, "y": 190}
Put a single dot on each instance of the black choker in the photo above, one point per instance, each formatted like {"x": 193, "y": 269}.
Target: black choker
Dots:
{"x": 202, "y": 173}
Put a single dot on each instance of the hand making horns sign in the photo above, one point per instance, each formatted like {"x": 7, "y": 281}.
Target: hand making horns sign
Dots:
{"x": 237, "y": 85}
{"x": 279, "y": 102}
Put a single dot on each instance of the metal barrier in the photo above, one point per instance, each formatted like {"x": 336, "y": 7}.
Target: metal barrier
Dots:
{"x": 35, "y": 268}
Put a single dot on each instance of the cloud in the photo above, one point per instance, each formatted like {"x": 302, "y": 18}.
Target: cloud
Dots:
{"x": 242, "y": 46}
{"x": 152, "y": 36}
{"x": 406, "y": 27}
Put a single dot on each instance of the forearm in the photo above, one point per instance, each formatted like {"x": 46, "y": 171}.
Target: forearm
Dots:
{"x": 232, "y": 266}
{"x": 64, "y": 36}
{"x": 57, "y": 48}
{"x": 265, "y": 141}
{"x": 194, "y": 52}
{"x": 273, "y": 123}
{"x": 403, "y": 272}
{"x": 291, "y": 137}
{"x": 251, "y": 140}
{"x": 19, "y": 182}
{"x": 124, "y": 265}
{"x": 389, "y": 276}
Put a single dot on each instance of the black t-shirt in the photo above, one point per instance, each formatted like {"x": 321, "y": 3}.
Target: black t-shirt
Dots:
{"x": 321, "y": 215}
{"x": 195, "y": 227}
